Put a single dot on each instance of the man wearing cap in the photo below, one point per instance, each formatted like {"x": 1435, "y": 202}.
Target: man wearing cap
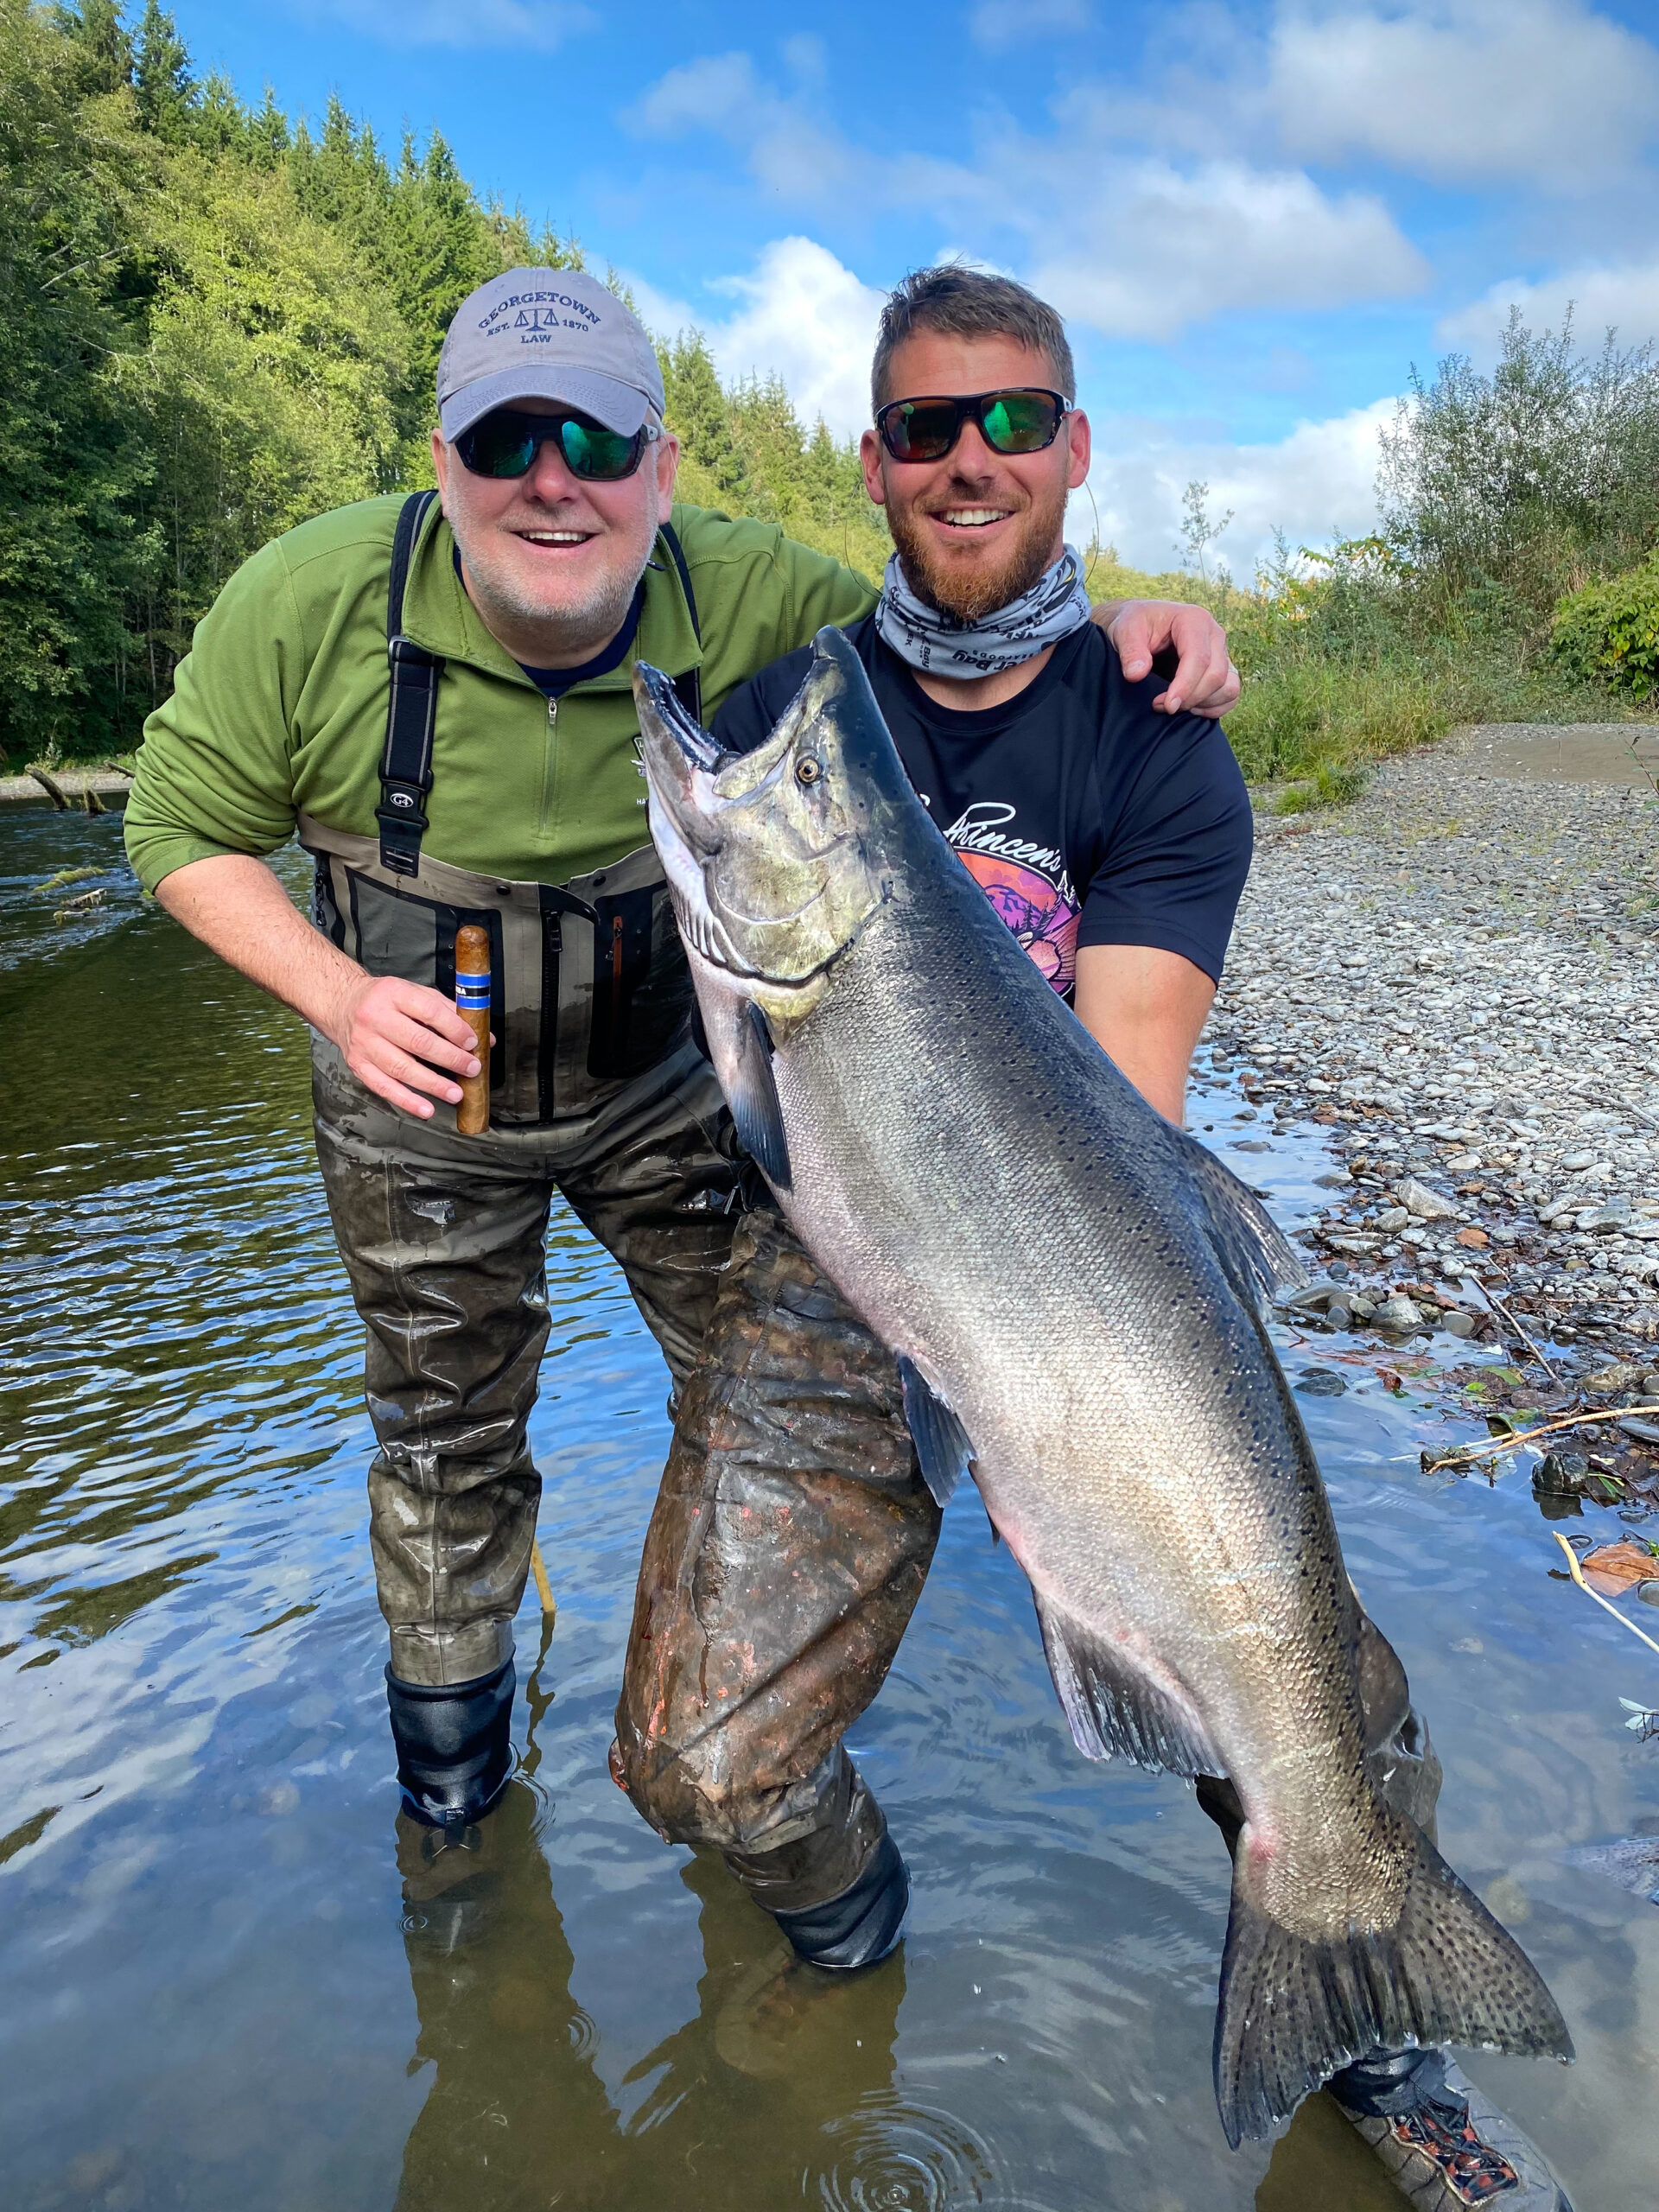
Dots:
{"x": 435, "y": 693}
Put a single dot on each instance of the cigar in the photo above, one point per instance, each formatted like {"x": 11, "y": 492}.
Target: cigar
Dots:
{"x": 472, "y": 1004}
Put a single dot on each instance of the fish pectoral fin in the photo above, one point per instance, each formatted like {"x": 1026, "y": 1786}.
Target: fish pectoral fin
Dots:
{"x": 756, "y": 1114}
{"x": 1115, "y": 1712}
{"x": 940, "y": 1440}
{"x": 1259, "y": 1258}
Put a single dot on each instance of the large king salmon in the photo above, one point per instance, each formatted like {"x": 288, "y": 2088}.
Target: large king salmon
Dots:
{"x": 1074, "y": 1290}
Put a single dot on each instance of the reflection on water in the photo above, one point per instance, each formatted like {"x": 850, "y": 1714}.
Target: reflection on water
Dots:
{"x": 233, "y": 1979}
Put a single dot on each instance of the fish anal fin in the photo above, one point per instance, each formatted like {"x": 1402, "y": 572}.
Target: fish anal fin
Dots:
{"x": 1295, "y": 2010}
{"x": 1115, "y": 1711}
{"x": 753, "y": 1096}
{"x": 941, "y": 1441}
{"x": 1259, "y": 1258}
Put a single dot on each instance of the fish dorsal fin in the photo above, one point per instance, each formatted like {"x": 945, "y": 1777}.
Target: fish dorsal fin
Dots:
{"x": 1259, "y": 1258}
{"x": 1115, "y": 1712}
{"x": 756, "y": 1114}
{"x": 940, "y": 1440}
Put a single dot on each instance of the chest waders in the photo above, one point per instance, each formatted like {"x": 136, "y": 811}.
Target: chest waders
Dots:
{"x": 588, "y": 982}
{"x": 786, "y": 1396}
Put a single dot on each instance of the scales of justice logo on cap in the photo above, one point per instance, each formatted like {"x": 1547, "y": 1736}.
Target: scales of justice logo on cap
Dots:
{"x": 547, "y": 333}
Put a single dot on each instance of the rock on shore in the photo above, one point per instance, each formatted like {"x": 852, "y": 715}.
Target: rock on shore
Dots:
{"x": 1459, "y": 975}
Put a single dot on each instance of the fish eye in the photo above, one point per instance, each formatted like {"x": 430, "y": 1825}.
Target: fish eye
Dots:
{"x": 807, "y": 770}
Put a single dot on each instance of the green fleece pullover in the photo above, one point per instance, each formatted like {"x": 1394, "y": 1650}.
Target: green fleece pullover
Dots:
{"x": 280, "y": 706}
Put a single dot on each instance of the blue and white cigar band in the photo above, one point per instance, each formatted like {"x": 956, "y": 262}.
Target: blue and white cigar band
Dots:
{"x": 472, "y": 992}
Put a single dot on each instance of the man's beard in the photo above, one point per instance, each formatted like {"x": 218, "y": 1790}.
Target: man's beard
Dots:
{"x": 970, "y": 595}
{"x": 568, "y": 627}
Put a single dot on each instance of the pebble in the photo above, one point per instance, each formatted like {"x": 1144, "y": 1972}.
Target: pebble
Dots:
{"x": 1321, "y": 1383}
{"x": 1424, "y": 1205}
{"x": 1459, "y": 975}
{"x": 1621, "y": 1375}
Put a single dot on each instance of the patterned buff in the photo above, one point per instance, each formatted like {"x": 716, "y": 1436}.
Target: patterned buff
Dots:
{"x": 1056, "y": 605}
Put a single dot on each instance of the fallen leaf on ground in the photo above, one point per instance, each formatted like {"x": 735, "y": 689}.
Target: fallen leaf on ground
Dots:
{"x": 1611, "y": 1568}
{"x": 1477, "y": 1239}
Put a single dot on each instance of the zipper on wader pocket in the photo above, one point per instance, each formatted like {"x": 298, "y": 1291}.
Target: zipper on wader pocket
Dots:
{"x": 616, "y": 973}
{"x": 552, "y": 948}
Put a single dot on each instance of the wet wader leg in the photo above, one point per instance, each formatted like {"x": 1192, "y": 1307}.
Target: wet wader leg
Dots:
{"x": 787, "y": 1549}
{"x": 445, "y": 1250}
{"x": 663, "y": 1199}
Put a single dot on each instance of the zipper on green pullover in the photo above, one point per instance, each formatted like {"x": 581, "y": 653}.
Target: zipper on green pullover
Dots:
{"x": 550, "y": 768}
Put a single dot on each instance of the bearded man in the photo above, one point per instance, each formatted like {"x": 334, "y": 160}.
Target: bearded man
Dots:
{"x": 1113, "y": 840}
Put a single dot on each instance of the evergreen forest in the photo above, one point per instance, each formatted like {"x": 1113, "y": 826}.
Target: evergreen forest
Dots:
{"x": 215, "y": 321}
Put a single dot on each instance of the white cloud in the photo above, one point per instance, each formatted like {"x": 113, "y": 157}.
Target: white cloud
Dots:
{"x": 996, "y": 24}
{"x": 719, "y": 92}
{"x": 1625, "y": 299}
{"x": 1152, "y": 243}
{"x": 800, "y": 315}
{"x": 789, "y": 149}
{"x": 1160, "y": 248}
{"x": 1317, "y": 482}
{"x": 807, "y": 317}
{"x": 662, "y": 313}
{"x": 1548, "y": 90}
{"x": 542, "y": 24}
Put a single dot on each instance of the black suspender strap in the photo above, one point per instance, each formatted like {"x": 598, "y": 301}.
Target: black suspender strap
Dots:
{"x": 688, "y": 688}
{"x": 412, "y": 711}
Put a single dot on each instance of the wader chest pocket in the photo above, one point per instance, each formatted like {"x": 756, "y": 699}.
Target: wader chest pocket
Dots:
{"x": 399, "y": 933}
{"x": 642, "y": 988}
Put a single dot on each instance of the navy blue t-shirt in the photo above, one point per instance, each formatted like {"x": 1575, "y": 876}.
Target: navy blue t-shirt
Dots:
{"x": 1086, "y": 818}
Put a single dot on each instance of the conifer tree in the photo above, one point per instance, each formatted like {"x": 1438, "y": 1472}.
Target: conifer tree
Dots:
{"x": 161, "y": 76}
{"x": 105, "y": 49}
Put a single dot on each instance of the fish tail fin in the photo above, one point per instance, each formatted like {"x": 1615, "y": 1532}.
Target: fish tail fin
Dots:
{"x": 1294, "y": 2011}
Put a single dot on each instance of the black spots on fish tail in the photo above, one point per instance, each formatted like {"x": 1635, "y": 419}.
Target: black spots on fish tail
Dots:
{"x": 1293, "y": 2009}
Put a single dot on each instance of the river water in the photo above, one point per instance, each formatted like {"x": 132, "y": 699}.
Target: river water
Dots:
{"x": 216, "y": 1993}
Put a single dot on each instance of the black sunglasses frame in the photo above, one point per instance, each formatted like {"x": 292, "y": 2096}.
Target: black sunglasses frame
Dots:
{"x": 970, "y": 407}
{"x": 541, "y": 428}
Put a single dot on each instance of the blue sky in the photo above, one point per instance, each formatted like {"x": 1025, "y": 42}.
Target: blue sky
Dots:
{"x": 1256, "y": 216}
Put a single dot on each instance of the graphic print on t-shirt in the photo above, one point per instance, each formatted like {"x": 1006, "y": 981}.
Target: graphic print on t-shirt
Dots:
{"x": 1028, "y": 884}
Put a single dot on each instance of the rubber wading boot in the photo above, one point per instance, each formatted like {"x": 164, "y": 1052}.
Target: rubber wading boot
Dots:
{"x": 455, "y": 1750}
{"x": 838, "y": 1893}
{"x": 860, "y": 1926}
{"x": 1445, "y": 2145}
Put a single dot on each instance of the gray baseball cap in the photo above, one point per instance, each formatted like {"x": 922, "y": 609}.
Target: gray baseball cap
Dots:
{"x": 547, "y": 333}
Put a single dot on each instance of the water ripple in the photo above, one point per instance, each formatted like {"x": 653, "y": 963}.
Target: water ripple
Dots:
{"x": 894, "y": 2156}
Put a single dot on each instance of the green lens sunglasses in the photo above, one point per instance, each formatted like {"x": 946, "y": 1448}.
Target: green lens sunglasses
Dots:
{"x": 506, "y": 442}
{"x": 1022, "y": 421}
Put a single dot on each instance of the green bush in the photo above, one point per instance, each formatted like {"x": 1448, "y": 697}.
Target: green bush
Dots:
{"x": 1610, "y": 632}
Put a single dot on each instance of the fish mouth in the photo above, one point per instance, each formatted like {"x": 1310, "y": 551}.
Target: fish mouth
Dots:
{"x": 691, "y": 779}
{"x": 673, "y": 743}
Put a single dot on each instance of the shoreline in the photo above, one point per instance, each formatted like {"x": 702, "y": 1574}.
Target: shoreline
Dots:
{"x": 72, "y": 784}
{"x": 1456, "y": 976}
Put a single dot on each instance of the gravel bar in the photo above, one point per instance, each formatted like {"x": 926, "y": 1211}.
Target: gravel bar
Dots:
{"x": 1458, "y": 975}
